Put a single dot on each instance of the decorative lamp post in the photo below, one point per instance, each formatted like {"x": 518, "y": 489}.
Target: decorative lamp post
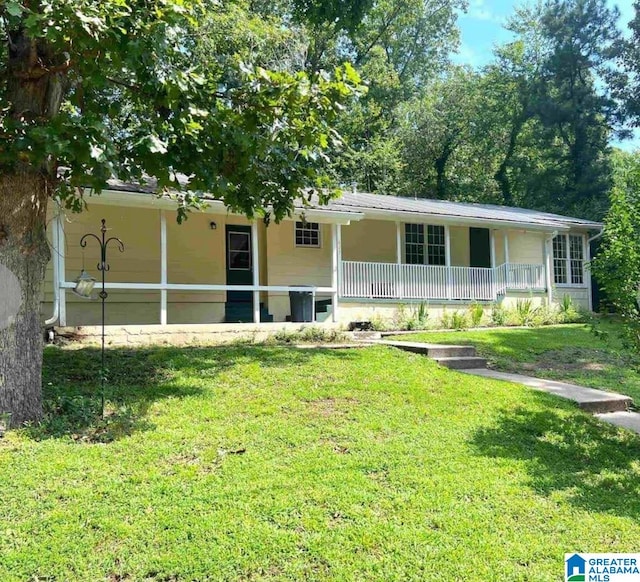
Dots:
{"x": 85, "y": 283}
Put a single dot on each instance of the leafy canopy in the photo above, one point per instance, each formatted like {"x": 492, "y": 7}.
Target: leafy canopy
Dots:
{"x": 617, "y": 265}
{"x": 139, "y": 92}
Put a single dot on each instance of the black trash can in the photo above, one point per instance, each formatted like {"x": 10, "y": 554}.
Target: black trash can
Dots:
{"x": 301, "y": 306}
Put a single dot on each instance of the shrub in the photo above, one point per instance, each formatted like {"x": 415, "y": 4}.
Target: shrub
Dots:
{"x": 546, "y": 315}
{"x": 459, "y": 320}
{"x": 498, "y": 315}
{"x": 414, "y": 318}
{"x": 445, "y": 319}
{"x": 568, "y": 311}
{"x": 311, "y": 334}
{"x": 379, "y": 323}
{"x": 476, "y": 313}
{"x": 525, "y": 312}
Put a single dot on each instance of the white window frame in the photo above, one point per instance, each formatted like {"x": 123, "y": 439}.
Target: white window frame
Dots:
{"x": 295, "y": 234}
{"x": 425, "y": 243}
{"x": 567, "y": 259}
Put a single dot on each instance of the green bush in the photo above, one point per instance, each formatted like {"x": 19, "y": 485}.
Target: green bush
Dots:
{"x": 445, "y": 320}
{"x": 525, "y": 312}
{"x": 413, "y": 318}
{"x": 546, "y": 315}
{"x": 498, "y": 315}
{"x": 379, "y": 323}
{"x": 476, "y": 314}
{"x": 459, "y": 320}
{"x": 569, "y": 313}
{"x": 311, "y": 334}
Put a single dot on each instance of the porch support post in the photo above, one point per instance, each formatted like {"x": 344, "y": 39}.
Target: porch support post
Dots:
{"x": 399, "y": 281}
{"x": 256, "y": 271}
{"x": 586, "y": 270}
{"x": 336, "y": 258}
{"x": 62, "y": 270}
{"x": 163, "y": 267}
{"x": 492, "y": 241}
{"x": 447, "y": 260}
{"x": 547, "y": 263}
{"x": 506, "y": 246}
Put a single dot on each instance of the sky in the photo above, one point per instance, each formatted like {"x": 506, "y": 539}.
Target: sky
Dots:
{"x": 482, "y": 28}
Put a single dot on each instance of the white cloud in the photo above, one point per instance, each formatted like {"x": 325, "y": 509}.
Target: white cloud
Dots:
{"x": 478, "y": 10}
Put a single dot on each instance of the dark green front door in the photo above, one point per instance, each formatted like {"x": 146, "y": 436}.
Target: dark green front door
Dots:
{"x": 239, "y": 262}
{"x": 479, "y": 247}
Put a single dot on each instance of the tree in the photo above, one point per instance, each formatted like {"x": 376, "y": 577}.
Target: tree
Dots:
{"x": 400, "y": 46}
{"x": 95, "y": 89}
{"x": 573, "y": 101}
{"x": 443, "y": 143}
{"x": 509, "y": 89}
{"x": 626, "y": 79}
{"x": 617, "y": 265}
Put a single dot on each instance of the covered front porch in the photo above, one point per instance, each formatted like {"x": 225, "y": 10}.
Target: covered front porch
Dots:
{"x": 428, "y": 282}
{"x": 440, "y": 262}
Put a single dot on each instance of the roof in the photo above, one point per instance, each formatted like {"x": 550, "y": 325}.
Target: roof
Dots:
{"x": 367, "y": 205}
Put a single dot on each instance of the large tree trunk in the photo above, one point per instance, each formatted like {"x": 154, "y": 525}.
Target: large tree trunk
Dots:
{"x": 35, "y": 84}
{"x": 24, "y": 253}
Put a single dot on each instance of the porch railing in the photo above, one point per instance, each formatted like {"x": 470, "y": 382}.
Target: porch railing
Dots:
{"x": 400, "y": 281}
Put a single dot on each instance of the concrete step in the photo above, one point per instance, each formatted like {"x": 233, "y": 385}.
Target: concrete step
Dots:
{"x": 462, "y": 362}
{"x": 589, "y": 399}
{"x": 442, "y": 351}
{"x": 366, "y": 335}
{"x": 322, "y": 316}
{"x": 628, "y": 420}
{"x": 432, "y": 350}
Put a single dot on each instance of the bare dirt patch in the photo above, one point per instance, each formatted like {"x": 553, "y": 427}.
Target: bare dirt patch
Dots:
{"x": 328, "y": 407}
{"x": 572, "y": 359}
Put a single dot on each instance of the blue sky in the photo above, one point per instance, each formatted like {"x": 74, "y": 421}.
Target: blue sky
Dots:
{"x": 482, "y": 27}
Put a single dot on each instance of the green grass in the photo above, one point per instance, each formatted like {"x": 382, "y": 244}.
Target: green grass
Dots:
{"x": 276, "y": 463}
{"x": 572, "y": 353}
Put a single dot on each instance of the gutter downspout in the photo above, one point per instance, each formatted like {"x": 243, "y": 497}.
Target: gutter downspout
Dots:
{"x": 596, "y": 236}
{"x": 56, "y": 265}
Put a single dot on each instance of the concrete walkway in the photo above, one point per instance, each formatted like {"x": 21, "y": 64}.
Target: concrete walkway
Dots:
{"x": 607, "y": 406}
{"x": 589, "y": 399}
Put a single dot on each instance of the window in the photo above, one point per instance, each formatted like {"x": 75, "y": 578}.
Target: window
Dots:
{"x": 568, "y": 259}
{"x": 307, "y": 234}
{"x": 415, "y": 245}
{"x": 239, "y": 249}
{"x": 436, "y": 254}
{"x": 577, "y": 259}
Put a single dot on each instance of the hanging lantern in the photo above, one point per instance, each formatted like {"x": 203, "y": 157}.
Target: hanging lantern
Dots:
{"x": 84, "y": 285}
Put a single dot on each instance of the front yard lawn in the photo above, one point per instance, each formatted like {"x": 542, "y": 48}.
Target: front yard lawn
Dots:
{"x": 276, "y": 463}
{"x": 572, "y": 353}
